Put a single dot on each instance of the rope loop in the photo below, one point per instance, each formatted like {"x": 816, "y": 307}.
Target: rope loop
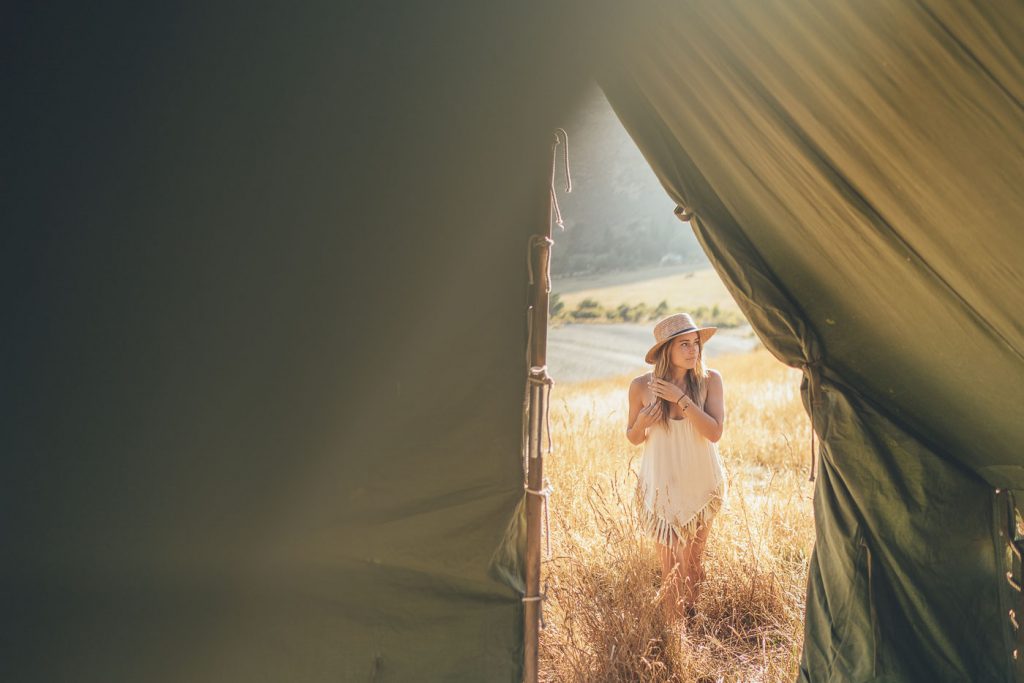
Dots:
{"x": 539, "y": 375}
{"x": 561, "y": 138}
{"x": 545, "y": 495}
{"x": 539, "y": 599}
{"x": 534, "y": 242}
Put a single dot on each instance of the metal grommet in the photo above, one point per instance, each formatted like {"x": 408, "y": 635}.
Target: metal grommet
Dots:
{"x": 683, "y": 214}
{"x": 1016, "y": 654}
{"x": 998, "y": 491}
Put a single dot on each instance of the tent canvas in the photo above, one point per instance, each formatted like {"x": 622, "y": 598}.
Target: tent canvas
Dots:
{"x": 820, "y": 147}
{"x": 268, "y": 288}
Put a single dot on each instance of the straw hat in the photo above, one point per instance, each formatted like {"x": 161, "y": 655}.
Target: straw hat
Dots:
{"x": 673, "y": 326}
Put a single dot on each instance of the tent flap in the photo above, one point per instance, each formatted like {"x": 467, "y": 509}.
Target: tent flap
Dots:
{"x": 816, "y": 143}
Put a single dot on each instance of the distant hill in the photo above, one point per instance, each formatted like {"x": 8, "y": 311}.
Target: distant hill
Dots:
{"x": 676, "y": 286}
{"x": 618, "y": 217}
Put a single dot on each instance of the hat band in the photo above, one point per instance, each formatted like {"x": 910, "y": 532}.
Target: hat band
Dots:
{"x": 676, "y": 334}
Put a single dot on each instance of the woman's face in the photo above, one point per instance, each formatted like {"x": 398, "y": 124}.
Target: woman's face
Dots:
{"x": 684, "y": 351}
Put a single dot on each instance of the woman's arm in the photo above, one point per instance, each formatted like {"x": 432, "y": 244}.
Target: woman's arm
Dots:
{"x": 709, "y": 421}
{"x": 640, "y": 417}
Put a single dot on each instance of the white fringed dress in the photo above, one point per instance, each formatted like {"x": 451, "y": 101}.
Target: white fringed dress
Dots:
{"x": 681, "y": 485}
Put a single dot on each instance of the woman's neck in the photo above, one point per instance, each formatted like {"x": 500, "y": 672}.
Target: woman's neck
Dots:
{"x": 677, "y": 375}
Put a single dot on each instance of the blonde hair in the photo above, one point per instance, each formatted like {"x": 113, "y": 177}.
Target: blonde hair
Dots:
{"x": 694, "y": 382}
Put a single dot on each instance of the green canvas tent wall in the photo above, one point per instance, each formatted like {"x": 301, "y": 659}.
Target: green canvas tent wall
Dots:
{"x": 267, "y": 283}
{"x": 853, "y": 171}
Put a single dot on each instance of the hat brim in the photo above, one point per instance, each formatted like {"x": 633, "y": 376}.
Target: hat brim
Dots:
{"x": 704, "y": 333}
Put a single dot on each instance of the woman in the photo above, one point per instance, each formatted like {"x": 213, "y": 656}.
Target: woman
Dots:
{"x": 677, "y": 412}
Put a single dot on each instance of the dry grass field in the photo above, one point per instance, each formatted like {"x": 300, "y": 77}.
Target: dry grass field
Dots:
{"x": 604, "y": 621}
{"x": 701, "y": 287}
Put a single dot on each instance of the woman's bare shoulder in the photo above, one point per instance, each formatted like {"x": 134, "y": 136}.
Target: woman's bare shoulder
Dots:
{"x": 714, "y": 376}
{"x": 640, "y": 382}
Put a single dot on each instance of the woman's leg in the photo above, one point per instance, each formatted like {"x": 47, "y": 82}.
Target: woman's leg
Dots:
{"x": 682, "y": 570}
{"x": 671, "y": 577}
{"x": 693, "y": 568}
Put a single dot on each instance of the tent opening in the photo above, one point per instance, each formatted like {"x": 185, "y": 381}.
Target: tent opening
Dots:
{"x": 624, "y": 261}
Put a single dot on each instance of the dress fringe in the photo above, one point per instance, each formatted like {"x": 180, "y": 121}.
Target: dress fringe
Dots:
{"x": 661, "y": 530}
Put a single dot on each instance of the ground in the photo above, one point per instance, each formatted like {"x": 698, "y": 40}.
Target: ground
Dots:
{"x": 603, "y": 617}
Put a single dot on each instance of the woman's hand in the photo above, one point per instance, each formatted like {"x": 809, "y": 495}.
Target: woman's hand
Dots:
{"x": 666, "y": 390}
{"x": 648, "y": 416}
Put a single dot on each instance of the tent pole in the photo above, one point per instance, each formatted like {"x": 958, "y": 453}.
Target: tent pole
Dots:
{"x": 540, "y": 256}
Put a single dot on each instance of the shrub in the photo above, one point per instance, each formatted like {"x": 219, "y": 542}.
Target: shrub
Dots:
{"x": 588, "y": 309}
{"x": 555, "y": 305}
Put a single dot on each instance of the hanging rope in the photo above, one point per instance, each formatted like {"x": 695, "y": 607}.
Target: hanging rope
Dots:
{"x": 539, "y": 377}
{"x": 561, "y": 138}
{"x": 565, "y": 157}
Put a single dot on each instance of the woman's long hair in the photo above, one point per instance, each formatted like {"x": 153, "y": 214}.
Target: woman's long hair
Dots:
{"x": 694, "y": 382}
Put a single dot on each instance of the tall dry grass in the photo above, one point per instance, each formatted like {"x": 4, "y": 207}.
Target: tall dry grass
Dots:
{"x": 604, "y": 620}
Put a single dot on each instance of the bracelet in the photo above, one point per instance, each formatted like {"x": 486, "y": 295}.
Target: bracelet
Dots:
{"x": 680, "y": 399}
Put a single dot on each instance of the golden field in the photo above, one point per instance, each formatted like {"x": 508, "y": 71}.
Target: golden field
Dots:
{"x": 701, "y": 287}
{"x": 603, "y": 616}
